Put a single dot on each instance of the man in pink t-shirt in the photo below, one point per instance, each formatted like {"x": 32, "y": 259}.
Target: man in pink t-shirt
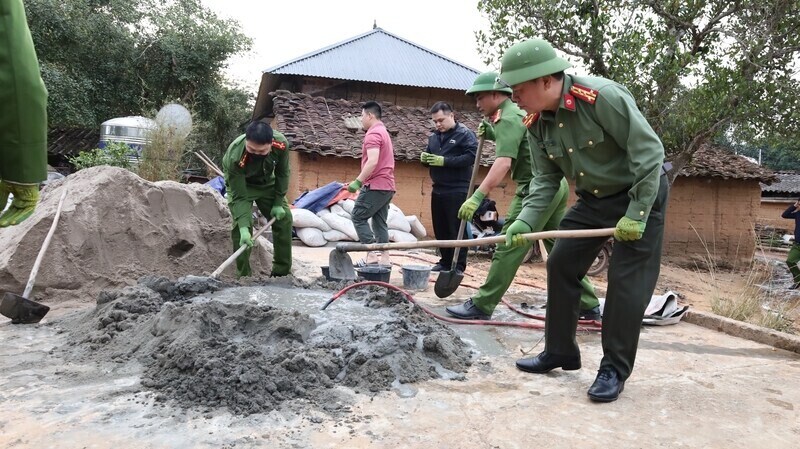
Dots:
{"x": 376, "y": 182}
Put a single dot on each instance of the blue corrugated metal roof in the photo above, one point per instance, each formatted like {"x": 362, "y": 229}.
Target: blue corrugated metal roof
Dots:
{"x": 381, "y": 57}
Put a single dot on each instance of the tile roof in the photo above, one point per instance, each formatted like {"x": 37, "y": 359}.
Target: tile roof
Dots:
{"x": 716, "y": 162}
{"x": 318, "y": 125}
{"x": 381, "y": 57}
{"x": 69, "y": 142}
{"x": 788, "y": 182}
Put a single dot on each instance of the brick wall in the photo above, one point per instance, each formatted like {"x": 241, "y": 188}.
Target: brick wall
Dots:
{"x": 769, "y": 214}
{"x": 310, "y": 171}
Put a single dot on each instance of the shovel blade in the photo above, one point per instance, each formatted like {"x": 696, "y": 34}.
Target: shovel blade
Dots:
{"x": 340, "y": 265}
{"x": 447, "y": 283}
{"x": 22, "y": 310}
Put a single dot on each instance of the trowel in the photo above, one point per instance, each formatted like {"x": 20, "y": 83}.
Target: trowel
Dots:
{"x": 20, "y": 309}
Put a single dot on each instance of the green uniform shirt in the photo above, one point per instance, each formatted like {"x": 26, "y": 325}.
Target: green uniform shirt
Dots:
{"x": 511, "y": 141}
{"x": 599, "y": 138}
{"x": 258, "y": 178}
{"x": 23, "y": 101}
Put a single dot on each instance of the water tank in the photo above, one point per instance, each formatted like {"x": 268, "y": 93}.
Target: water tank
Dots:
{"x": 133, "y": 130}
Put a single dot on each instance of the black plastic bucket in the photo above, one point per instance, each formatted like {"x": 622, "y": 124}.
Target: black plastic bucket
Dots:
{"x": 375, "y": 273}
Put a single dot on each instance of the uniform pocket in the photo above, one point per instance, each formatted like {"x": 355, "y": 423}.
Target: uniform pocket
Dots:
{"x": 589, "y": 140}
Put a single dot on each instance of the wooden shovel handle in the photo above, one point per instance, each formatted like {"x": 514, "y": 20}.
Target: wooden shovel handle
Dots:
{"x": 239, "y": 251}
{"x": 35, "y": 269}
{"x": 579, "y": 233}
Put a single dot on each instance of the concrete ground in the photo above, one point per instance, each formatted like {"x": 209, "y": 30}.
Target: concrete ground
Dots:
{"x": 692, "y": 388}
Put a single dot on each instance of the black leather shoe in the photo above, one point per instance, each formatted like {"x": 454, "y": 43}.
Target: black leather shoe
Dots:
{"x": 607, "y": 386}
{"x": 438, "y": 267}
{"x": 468, "y": 311}
{"x": 545, "y": 362}
{"x": 590, "y": 314}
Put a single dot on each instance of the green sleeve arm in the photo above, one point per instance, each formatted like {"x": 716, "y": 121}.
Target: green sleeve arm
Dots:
{"x": 236, "y": 185}
{"x": 543, "y": 187}
{"x": 618, "y": 115}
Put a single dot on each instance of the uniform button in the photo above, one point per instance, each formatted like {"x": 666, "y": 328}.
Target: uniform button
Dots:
{"x": 570, "y": 150}
{"x": 581, "y": 173}
{"x": 560, "y": 125}
{"x": 591, "y": 143}
{"x": 596, "y": 191}
{"x": 551, "y": 156}
{"x": 641, "y": 213}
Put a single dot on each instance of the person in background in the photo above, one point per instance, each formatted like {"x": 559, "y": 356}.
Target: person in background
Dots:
{"x": 23, "y": 117}
{"x": 503, "y": 125}
{"x": 376, "y": 182}
{"x": 450, "y": 154}
{"x": 256, "y": 167}
{"x": 793, "y": 212}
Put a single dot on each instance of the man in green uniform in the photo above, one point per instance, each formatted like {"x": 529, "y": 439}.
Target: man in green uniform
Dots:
{"x": 589, "y": 129}
{"x": 504, "y": 126}
{"x": 23, "y": 116}
{"x": 256, "y": 169}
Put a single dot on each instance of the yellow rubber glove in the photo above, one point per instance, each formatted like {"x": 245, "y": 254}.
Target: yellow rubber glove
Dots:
{"x": 354, "y": 186}
{"x": 25, "y": 198}
{"x": 245, "y": 238}
{"x": 628, "y": 229}
{"x": 467, "y": 210}
{"x": 514, "y": 233}
{"x": 278, "y": 212}
{"x": 435, "y": 161}
{"x": 486, "y": 130}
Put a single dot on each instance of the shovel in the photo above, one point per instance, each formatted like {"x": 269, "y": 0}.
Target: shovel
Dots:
{"x": 341, "y": 265}
{"x": 448, "y": 281}
{"x": 20, "y": 309}
{"x": 239, "y": 251}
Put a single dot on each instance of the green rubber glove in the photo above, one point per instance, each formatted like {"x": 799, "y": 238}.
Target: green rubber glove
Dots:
{"x": 486, "y": 130}
{"x": 25, "y": 198}
{"x": 514, "y": 233}
{"x": 278, "y": 212}
{"x": 354, "y": 186}
{"x": 435, "y": 161}
{"x": 245, "y": 238}
{"x": 628, "y": 229}
{"x": 423, "y": 157}
{"x": 469, "y": 207}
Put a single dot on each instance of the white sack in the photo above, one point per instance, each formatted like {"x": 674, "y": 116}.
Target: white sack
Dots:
{"x": 338, "y": 210}
{"x": 335, "y": 236}
{"x": 311, "y": 236}
{"x": 417, "y": 229}
{"x": 347, "y": 205}
{"x": 401, "y": 237}
{"x": 341, "y": 224}
{"x": 396, "y": 220}
{"x": 303, "y": 218}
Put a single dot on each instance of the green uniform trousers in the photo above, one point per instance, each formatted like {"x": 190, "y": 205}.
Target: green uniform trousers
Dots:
{"x": 281, "y": 241}
{"x": 506, "y": 261}
{"x": 791, "y": 261}
{"x": 23, "y": 101}
{"x": 372, "y": 204}
{"x": 632, "y": 275}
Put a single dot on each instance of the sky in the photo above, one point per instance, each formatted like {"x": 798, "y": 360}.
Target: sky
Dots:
{"x": 286, "y": 29}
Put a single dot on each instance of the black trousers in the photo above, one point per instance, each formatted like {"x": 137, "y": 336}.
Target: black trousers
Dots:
{"x": 444, "y": 212}
{"x": 632, "y": 276}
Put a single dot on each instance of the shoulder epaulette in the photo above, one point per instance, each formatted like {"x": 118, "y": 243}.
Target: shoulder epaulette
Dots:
{"x": 279, "y": 145}
{"x": 243, "y": 160}
{"x": 530, "y": 119}
{"x": 586, "y": 94}
{"x": 496, "y": 116}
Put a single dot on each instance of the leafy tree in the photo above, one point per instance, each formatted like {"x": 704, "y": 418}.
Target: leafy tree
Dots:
{"x": 699, "y": 69}
{"x": 115, "y": 154}
{"x": 109, "y": 58}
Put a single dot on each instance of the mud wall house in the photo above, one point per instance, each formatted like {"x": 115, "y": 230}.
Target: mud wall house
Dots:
{"x": 713, "y": 207}
{"x": 775, "y": 198}
{"x": 311, "y": 98}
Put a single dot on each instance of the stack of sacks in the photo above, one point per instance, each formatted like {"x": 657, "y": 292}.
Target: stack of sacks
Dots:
{"x": 334, "y": 224}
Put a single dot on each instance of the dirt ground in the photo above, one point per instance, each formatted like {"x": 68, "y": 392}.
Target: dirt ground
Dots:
{"x": 692, "y": 387}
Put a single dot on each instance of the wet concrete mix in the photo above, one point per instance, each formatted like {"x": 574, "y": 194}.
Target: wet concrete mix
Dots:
{"x": 198, "y": 351}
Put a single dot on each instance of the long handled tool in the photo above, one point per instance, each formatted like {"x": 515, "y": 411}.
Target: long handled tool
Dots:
{"x": 341, "y": 265}
{"x": 241, "y": 249}
{"x": 20, "y": 309}
{"x": 448, "y": 281}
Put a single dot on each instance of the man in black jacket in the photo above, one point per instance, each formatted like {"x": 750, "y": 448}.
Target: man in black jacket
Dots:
{"x": 450, "y": 156}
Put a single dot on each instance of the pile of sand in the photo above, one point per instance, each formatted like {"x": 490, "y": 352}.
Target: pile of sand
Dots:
{"x": 199, "y": 351}
{"x": 116, "y": 227}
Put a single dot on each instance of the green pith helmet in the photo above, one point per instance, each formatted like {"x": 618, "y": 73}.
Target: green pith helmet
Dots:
{"x": 485, "y": 82}
{"x": 529, "y": 60}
